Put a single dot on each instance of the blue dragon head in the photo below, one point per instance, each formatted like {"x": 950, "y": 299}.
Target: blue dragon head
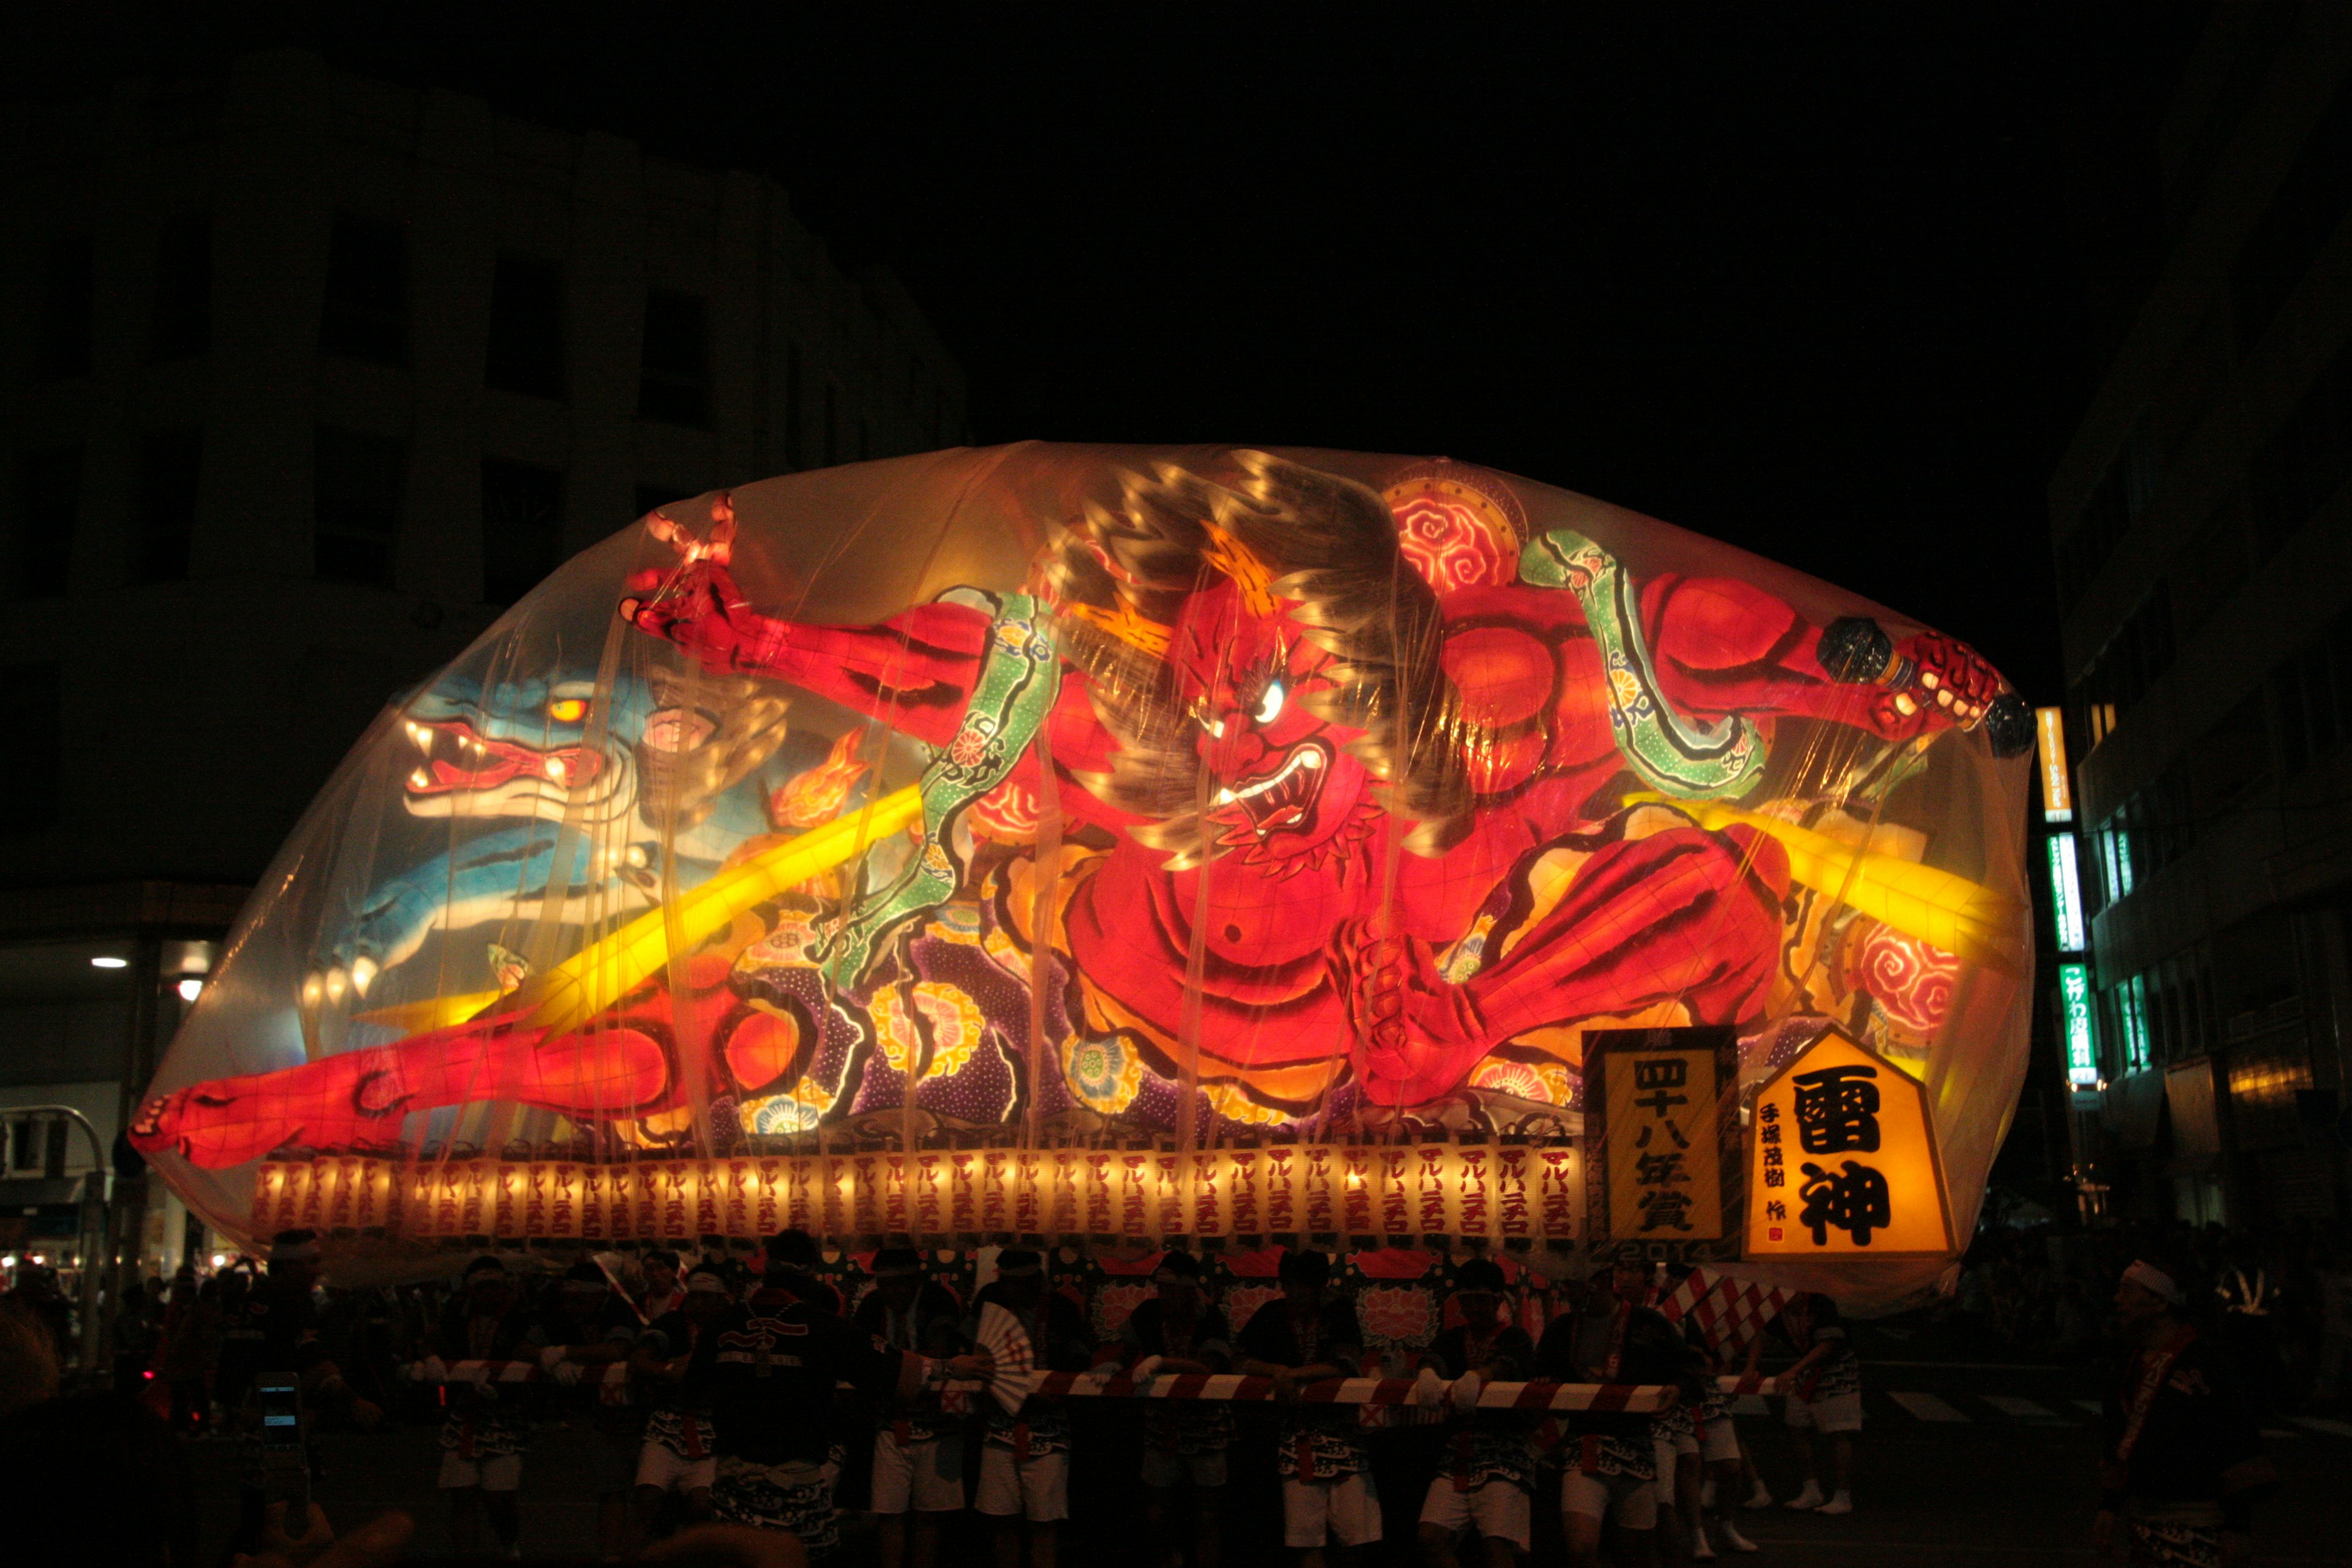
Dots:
{"x": 538, "y": 746}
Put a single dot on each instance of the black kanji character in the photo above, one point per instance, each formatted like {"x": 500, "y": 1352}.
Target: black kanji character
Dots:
{"x": 1659, "y": 1170}
{"x": 1672, "y": 1132}
{"x": 1664, "y": 1209}
{"x": 1837, "y": 1110}
{"x": 1776, "y": 1209}
{"x": 1771, "y": 1133}
{"x": 1856, "y": 1203}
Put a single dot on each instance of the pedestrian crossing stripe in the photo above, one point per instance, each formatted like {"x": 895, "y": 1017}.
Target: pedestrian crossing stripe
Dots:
{"x": 1925, "y": 1407}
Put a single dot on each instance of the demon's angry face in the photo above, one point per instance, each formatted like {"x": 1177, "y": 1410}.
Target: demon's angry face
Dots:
{"x": 1284, "y": 791}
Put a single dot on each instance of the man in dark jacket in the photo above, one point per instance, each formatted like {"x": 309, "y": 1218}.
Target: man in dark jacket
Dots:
{"x": 1488, "y": 1484}
{"x": 1024, "y": 1461}
{"x": 1177, "y": 1329}
{"x": 2184, "y": 1465}
{"x": 1606, "y": 1337}
{"x": 1308, "y": 1337}
{"x": 918, "y": 1448}
{"x": 766, "y": 1371}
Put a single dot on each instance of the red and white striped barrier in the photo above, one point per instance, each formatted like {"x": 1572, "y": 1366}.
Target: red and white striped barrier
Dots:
{"x": 1611, "y": 1399}
{"x": 1753, "y": 1383}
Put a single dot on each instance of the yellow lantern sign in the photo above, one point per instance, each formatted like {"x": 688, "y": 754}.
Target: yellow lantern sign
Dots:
{"x": 1842, "y": 1160}
{"x": 1653, "y": 1123}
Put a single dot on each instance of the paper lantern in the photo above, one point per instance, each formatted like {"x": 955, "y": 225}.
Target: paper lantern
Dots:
{"x": 1106, "y": 842}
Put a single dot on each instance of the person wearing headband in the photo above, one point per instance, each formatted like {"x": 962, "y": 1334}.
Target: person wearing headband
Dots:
{"x": 1487, "y": 1485}
{"x": 1609, "y": 1336}
{"x": 917, "y": 1444}
{"x": 1307, "y": 1336}
{"x": 1024, "y": 1459}
{"x": 676, "y": 1459}
{"x": 768, "y": 1370}
{"x": 1824, "y": 1396}
{"x": 488, "y": 1429}
{"x": 1177, "y": 1329}
{"x": 793, "y": 1260}
{"x": 590, "y": 1326}
{"x": 282, "y": 1332}
{"x": 2184, "y": 1465}
{"x": 662, "y": 1292}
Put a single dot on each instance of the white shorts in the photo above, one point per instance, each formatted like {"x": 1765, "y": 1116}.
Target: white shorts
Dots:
{"x": 1635, "y": 1500}
{"x": 663, "y": 1467}
{"x": 497, "y": 1473}
{"x": 929, "y": 1474}
{"x": 1168, "y": 1471}
{"x": 1349, "y": 1508}
{"x": 1830, "y": 1413}
{"x": 1041, "y": 1489}
{"x": 1721, "y": 1444}
{"x": 1499, "y": 1508}
{"x": 1665, "y": 1451}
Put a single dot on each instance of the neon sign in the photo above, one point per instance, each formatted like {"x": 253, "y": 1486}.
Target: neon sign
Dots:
{"x": 2074, "y": 1023}
{"x": 2065, "y": 892}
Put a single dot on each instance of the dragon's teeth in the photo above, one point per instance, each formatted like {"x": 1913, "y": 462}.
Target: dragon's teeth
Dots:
{"x": 420, "y": 779}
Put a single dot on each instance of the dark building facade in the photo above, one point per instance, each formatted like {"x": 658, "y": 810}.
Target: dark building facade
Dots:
{"x": 2204, "y": 521}
{"x": 303, "y": 378}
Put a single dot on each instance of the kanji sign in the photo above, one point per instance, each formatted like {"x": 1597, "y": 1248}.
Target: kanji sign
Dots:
{"x": 1842, "y": 1159}
{"x": 1652, "y": 1111}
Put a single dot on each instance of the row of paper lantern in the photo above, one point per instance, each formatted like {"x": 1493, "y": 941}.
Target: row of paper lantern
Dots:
{"x": 1502, "y": 1193}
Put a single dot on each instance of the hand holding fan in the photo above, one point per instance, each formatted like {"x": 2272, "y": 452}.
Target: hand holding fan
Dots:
{"x": 1002, "y": 1337}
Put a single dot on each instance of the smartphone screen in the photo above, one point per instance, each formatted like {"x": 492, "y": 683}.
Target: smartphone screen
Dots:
{"x": 281, "y": 1412}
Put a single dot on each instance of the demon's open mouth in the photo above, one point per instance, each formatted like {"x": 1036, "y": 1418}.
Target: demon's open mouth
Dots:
{"x": 1282, "y": 800}
{"x": 457, "y": 758}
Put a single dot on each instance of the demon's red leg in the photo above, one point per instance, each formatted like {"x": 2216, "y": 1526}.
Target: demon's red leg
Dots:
{"x": 1683, "y": 915}
{"x": 358, "y": 1098}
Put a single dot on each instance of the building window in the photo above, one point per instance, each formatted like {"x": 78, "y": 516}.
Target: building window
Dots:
{"x": 2131, "y": 1015}
{"x": 366, "y": 315}
{"x": 169, "y": 462}
{"x": 48, "y": 494}
{"x": 526, "y": 346}
{"x": 2304, "y": 211}
{"x": 68, "y": 296}
{"x": 674, "y": 376}
{"x": 355, "y": 508}
{"x": 522, "y": 527}
{"x": 31, "y": 708}
{"x": 2124, "y": 492}
{"x": 182, "y": 327}
{"x": 796, "y": 445}
{"x": 2305, "y": 463}
{"x": 2311, "y": 697}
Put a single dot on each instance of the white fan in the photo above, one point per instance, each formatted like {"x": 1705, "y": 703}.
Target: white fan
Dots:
{"x": 1016, "y": 1375}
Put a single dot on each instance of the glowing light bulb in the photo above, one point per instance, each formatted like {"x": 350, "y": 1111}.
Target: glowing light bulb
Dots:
{"x": 108, "y": 961}
{"x": 191, "y": 987}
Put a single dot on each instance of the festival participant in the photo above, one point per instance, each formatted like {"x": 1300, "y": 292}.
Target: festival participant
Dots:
{"x": 1327, "y": 1470}
{"x": 1824, "y": 1395}
{"x": 1606, "y": 1337}
{"x": 2184, "y": 1465}
{"x": 1488, "y": 1483}
{"x": 767, "y": 1370}
{"x": 793, "y": 1260}
{"x": 663, "y": 1292}
{"x": 1024, "y": 1461}
{"x": 1720, "y": 1452}
{"x": 487, "y": 1429}
{"x": 918, "y": 1450}
{"x": 591, "y": 1326}
{"x": 280, "y": 1317}
{"x": 677, "y": 1457}
{"x": 1177, "y": 1329}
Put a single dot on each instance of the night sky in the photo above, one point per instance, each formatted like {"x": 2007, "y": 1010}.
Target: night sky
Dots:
{"x": 1824, "y": 283}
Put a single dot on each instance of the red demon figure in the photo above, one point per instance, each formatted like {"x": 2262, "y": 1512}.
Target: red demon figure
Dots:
{"x": 1360, "y": 752}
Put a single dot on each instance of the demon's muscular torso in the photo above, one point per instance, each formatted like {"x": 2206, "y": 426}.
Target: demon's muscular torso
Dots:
{"x": 1315, "y": 928}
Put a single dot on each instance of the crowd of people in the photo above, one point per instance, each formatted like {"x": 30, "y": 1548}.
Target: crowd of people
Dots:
{"x": 2282, "y": 1302}
{"x": 778, "y": 1394}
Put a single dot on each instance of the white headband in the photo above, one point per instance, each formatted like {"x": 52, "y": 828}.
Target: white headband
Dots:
{"x": 2155, "y": 1280}
{"x": 710, "y": 1282}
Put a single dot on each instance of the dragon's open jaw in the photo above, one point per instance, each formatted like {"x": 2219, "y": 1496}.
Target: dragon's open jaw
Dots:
{"x": 458, "y": 759}
{"x": 1284, "y": 800}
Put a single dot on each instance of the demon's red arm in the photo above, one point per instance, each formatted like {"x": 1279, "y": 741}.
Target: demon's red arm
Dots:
{"x": 913, "y": 673}
{"x": 1724, "y": 646}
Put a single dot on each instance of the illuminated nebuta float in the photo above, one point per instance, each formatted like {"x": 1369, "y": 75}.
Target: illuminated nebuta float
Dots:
{"x": 1111, "y": 844}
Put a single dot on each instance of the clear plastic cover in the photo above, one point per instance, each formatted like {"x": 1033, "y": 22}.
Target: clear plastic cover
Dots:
{"x": 1332, "y": 796}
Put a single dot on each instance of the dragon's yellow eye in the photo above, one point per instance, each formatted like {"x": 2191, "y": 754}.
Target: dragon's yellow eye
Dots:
{"x": 568, "y": 709}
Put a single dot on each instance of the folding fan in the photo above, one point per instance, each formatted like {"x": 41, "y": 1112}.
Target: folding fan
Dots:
{"x": 1016, "y": 1376}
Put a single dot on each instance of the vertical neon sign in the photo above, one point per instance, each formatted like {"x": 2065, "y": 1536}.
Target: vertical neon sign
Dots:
{"x": 2074, "y": 1023}
{"x": 2065, "y": 892}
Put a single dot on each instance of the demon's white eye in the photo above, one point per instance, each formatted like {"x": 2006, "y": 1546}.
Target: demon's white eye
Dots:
{"x": 1269, "y": 706}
